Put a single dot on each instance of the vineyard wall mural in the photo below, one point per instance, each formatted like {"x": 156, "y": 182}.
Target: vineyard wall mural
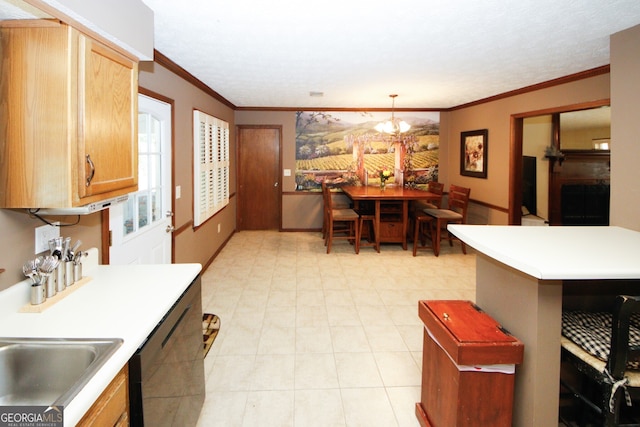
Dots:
{"x": 345, "y": 148}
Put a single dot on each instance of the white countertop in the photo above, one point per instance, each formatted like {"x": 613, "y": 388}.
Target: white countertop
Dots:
{"x": 558, "y": 253}
{"x": 118, "y": 302}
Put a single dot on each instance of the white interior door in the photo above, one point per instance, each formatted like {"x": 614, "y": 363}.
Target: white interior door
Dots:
{"x": 141, "y": 227}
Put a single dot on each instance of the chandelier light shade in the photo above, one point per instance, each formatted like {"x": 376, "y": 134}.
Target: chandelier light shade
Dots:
{"x": 393, "y": 126}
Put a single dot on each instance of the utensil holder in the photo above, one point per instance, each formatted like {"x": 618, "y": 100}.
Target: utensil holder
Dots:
{"x": 50, "y": 286}
{"x": 77, "y": 272}
{"x": 60, "y": 281}
{"x": 38, "y": 293}
{"x": 68, "y": 273}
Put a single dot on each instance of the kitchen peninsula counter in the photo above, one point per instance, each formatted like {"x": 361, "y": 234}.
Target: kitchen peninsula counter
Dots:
{"x": 124, "y": 302}
{"x": 519, "y": 276}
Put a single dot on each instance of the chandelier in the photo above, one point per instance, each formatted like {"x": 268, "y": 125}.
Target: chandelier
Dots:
{"x": 393, "y": 126}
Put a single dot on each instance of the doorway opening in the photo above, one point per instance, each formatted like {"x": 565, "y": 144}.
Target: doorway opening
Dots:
{"x": 570, "y": 147}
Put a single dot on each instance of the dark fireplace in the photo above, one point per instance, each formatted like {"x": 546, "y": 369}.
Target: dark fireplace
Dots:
{"x": 584, "y": 204}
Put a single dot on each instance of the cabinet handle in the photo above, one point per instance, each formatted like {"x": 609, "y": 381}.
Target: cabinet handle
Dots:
{"x": 92, "y": 171}
{"x": 175, "y": 325}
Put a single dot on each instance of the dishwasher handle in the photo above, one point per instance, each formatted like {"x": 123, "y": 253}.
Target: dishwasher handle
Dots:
{"x": 175, "y": 325}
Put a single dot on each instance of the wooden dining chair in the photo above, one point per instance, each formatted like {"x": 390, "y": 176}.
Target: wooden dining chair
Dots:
{"x": 367, "y": 223}
{"x": 342, "y": 224}
{"x": 420, "y": 221}
{"x": 337, "y": 204}
{"x": 434, "y": 187}
{"x": 604, "y": 350}
{"x": 456, "y": 213}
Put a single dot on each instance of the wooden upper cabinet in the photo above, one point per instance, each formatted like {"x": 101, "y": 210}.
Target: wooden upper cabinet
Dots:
{"x": 68, "y": 118}
{"x": 107, "y": 119}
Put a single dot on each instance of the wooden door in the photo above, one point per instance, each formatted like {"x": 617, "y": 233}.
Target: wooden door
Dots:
{"x": 259, "y": 194}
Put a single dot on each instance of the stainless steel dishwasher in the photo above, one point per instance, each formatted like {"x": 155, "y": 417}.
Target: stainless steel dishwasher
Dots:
{"x": 166, "y": 374}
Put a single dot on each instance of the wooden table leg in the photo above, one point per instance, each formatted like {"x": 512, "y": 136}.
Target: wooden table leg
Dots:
{"x": 376, "y": 225}
{"x": 405, "y": 223}
{"x": 436, "y": 238}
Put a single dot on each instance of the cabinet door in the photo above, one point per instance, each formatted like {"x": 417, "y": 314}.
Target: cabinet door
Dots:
{"x": 107, "y": 122}
{"x": 112, "y": 407}
{"x": 34, "y": 109}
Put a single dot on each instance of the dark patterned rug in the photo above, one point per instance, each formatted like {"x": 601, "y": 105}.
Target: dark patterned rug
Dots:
{"x": 210, "y": 329}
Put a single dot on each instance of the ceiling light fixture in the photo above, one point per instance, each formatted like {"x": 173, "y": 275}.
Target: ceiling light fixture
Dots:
{"x": 393, "y": 126}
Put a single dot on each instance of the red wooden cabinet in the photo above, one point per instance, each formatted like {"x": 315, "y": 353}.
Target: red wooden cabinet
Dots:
{"x": 468, "y": 367}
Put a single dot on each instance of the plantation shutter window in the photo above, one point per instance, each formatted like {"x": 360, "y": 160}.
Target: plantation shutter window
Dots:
{"x": 211, "y": 166}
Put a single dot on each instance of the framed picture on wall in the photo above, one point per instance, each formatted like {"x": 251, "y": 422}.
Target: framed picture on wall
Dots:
{"x": 473, "y": 153}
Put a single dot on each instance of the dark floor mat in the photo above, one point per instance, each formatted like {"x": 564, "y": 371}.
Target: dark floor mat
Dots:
{"x": 210, "y": 329}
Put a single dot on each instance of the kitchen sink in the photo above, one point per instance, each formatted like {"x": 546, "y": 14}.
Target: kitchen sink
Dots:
{"x": 44, "y": 371}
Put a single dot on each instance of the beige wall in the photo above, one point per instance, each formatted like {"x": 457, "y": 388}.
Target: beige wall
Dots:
{"x": 192, "y": 245}
{"x": 625, "y": 145}
{"x": 18, "y": 239}
{"x": 496, "y": 117}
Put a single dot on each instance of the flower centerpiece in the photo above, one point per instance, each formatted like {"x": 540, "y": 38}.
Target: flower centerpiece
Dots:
{"x": 384, "y": 176}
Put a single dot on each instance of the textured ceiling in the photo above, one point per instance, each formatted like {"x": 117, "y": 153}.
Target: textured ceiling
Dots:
{"x": 432, "y": 53}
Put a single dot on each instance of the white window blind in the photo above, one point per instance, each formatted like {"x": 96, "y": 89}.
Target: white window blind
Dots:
{"x": 211, "y": 166}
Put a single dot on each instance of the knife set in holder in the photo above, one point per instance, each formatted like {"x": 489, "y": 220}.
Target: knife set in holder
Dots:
{"x": 55, "y": 272}
{"x": 69, "y": 270}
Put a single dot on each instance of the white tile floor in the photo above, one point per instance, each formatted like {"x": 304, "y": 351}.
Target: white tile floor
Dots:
{"x": 310, "y": 339}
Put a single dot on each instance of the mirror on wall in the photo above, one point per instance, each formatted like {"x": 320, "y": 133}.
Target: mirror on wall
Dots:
{"x": 586, "y": 129}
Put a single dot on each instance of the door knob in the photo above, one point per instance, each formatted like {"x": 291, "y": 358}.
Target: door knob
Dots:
{"x": 170, "y": 229}
{"x": 168, "y": 214}
{"x": 275, "y": 185}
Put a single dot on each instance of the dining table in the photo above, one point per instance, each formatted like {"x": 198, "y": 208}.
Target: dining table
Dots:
{"x": 397, "y": 198}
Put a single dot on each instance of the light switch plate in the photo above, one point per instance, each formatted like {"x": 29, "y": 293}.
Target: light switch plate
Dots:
{"x": 287, "y": 172}
{"x": 178, "y": 192}
{"x": 45, "y": 233}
